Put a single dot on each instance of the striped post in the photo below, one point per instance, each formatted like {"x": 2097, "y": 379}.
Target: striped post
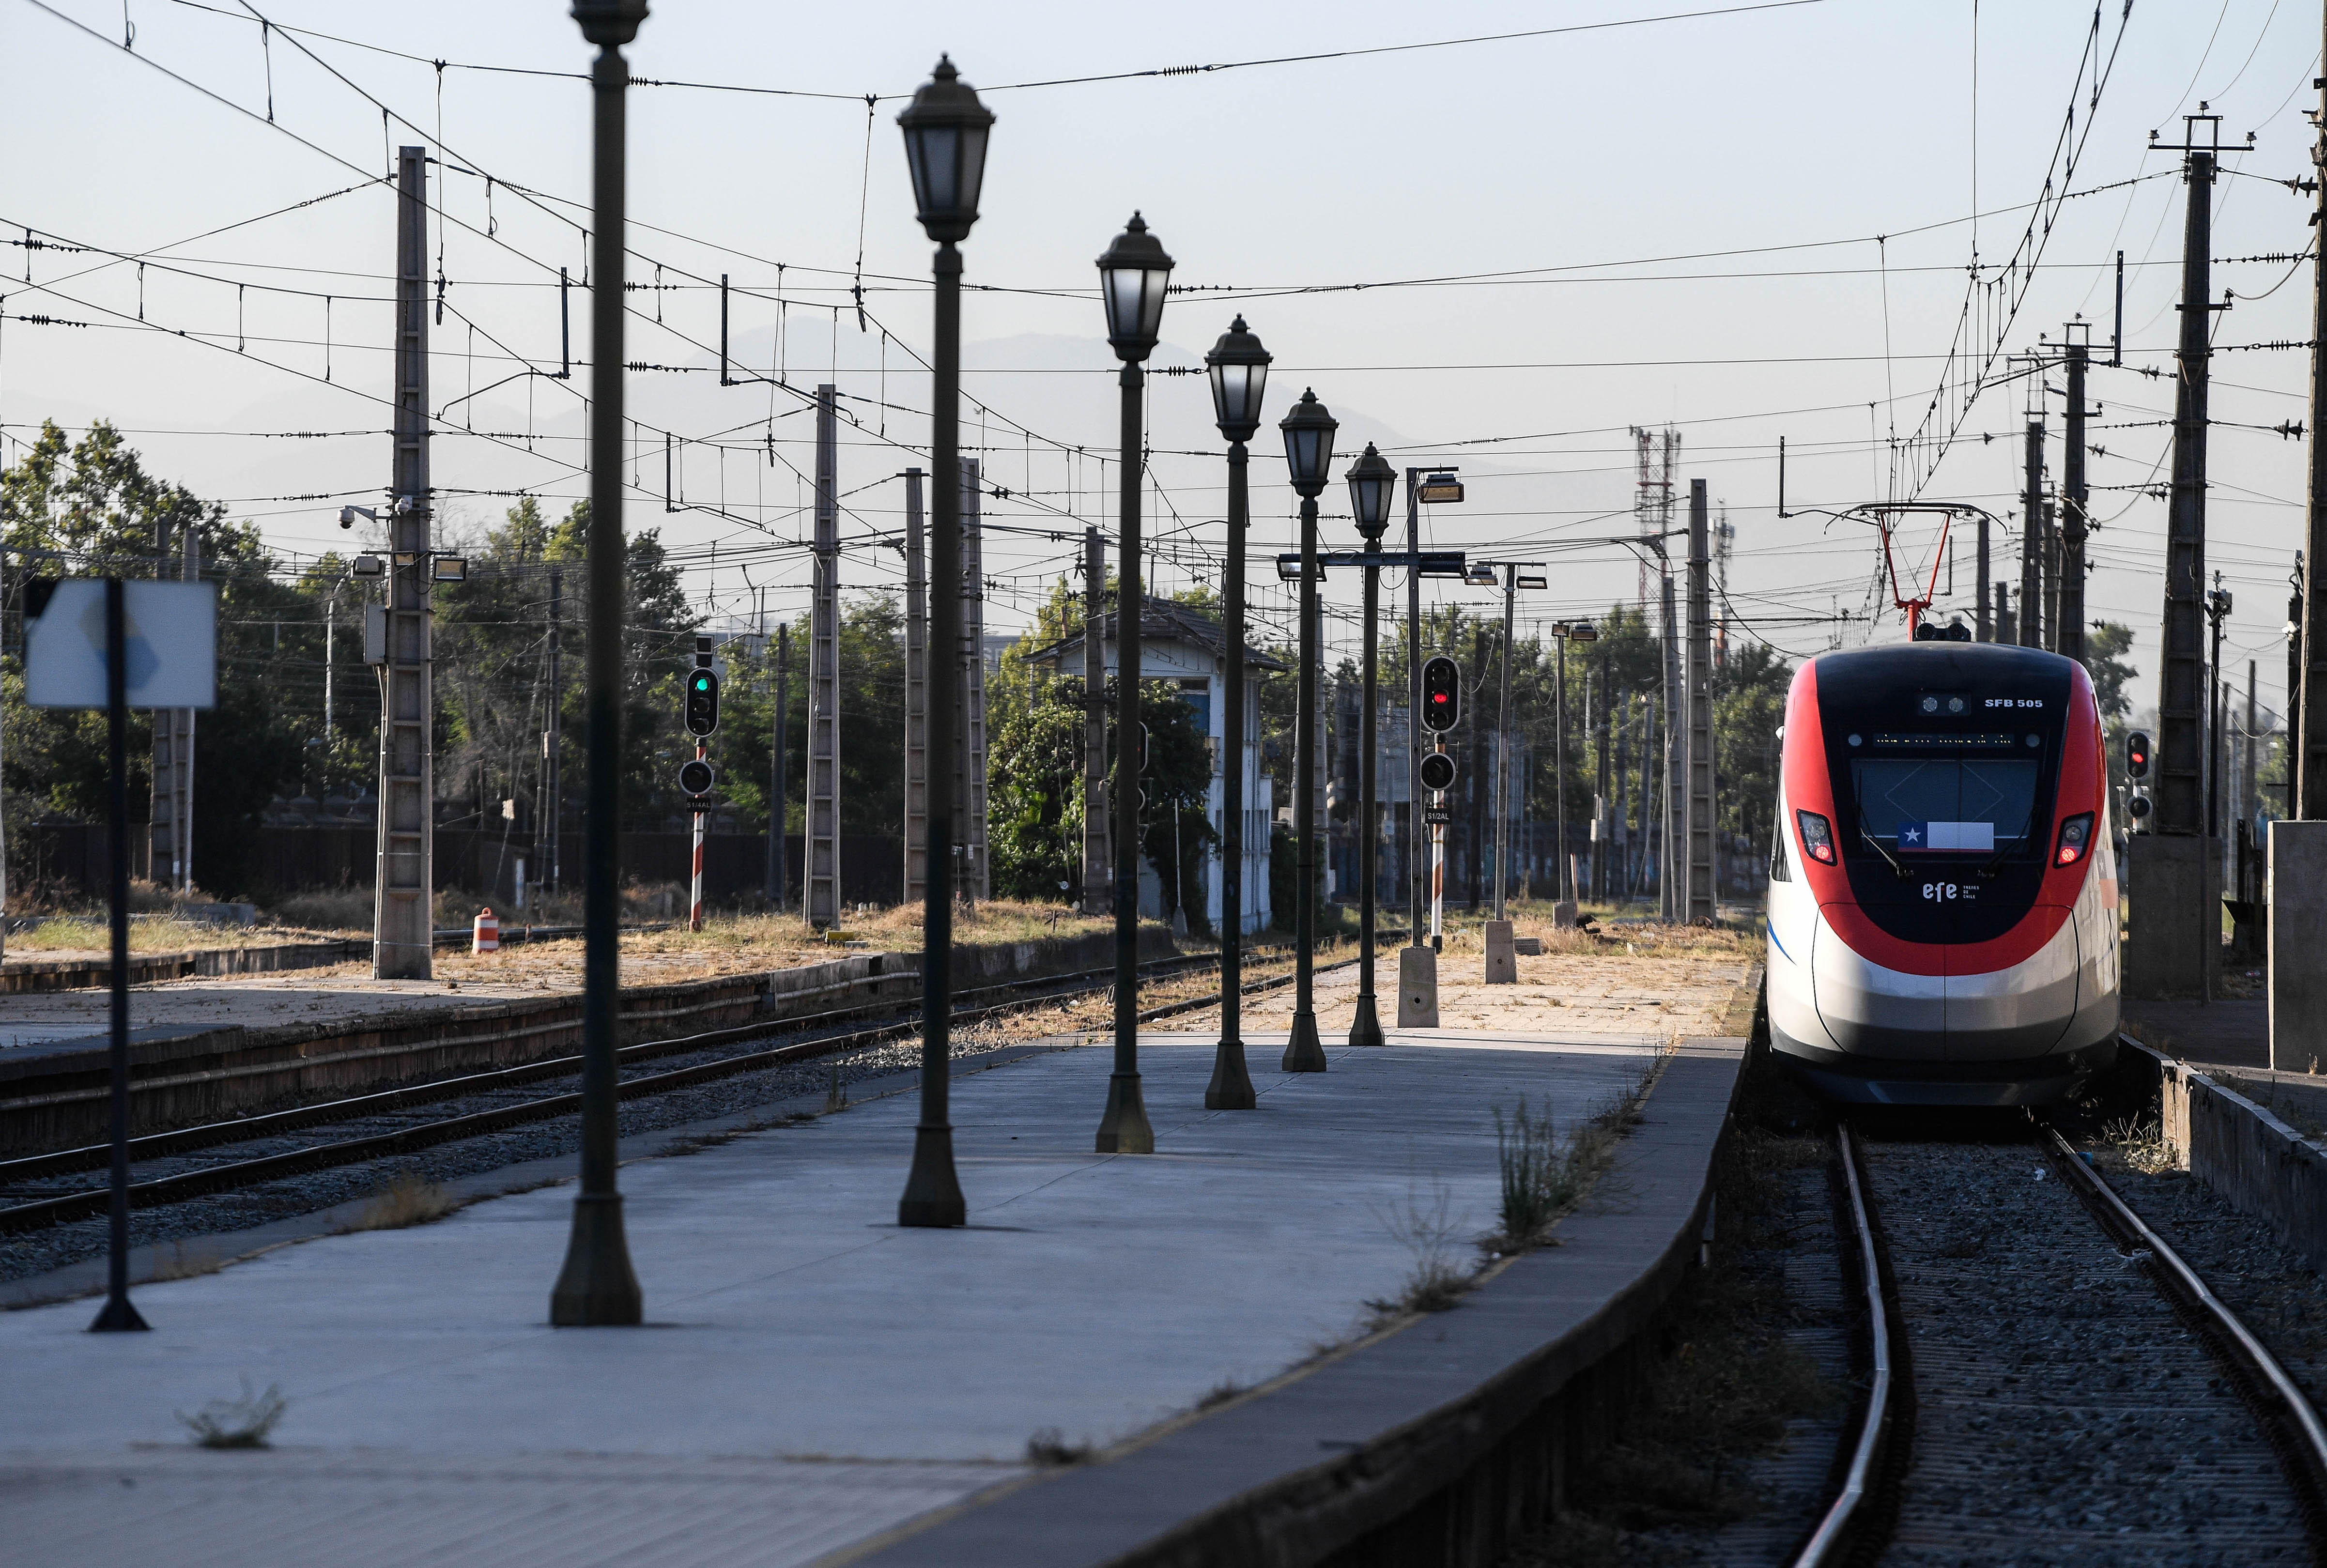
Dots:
{"x": 694, "y": 904}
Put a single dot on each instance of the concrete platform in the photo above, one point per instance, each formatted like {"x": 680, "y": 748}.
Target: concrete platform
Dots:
{"x": 814, "y": 1376}
{"x": 2230, "y": 1032}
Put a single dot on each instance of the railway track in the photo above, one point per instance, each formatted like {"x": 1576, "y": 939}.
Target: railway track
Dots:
{"x": 2049, "y": 1382}
{"x": 224, "y": 1156}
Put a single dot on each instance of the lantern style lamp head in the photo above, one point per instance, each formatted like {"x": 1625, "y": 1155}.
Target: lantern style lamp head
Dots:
{"x": 1372, "y": 481}
{"x": 944, "y": 147}
{"x": 1309, "y": 444}
{"x": 1132, "y": 276}
{"x": 610, "y": 24}
{"x": 1238, "y": 367}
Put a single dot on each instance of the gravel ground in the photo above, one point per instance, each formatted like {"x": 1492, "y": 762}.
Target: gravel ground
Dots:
{"x": 38, "y": 1252}
{"x": 2064, "y": 1414}
{"x": 2279, "y": 1296}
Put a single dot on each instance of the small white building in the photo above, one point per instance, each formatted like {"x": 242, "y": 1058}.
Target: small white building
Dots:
{"x": 1185, "y": 645}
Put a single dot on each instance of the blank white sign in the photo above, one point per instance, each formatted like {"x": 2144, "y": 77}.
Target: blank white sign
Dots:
{"x": 169, "y": 640}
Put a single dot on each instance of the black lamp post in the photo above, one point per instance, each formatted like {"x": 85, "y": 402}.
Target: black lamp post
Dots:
{"x": 1373, "y": 481}
{"x": 944, "y": 147}
{"x": 1308, "y": 455}
{"x": 597, "y": 1287}
{"x": 1132, "y": 277}
{"x": 1238, "y": 367}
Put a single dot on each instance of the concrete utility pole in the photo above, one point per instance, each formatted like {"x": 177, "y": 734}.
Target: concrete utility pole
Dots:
{"x": 820, "y": 865}
{"x": 1603, "y": 834}
{"x": 552, "y": 802}
{"x": 1503, "y": 737}
{"x": 1703, "y": 891}
{"x": 780, "y": 873}
{"x": 172, "y": 840}
{"x": 1983, "y": 629}
{"x": 2031, "y": 539}
{"x": 2307, "y": 708}
{"x": 917, "y": 696}
{"x": 969, "y": 778}
{"x": 2006, "y": 631}
{"x": 2175, "y": 932}
{"x": 1098, "y": 860}
{"x": 403, "y": 924}
{"x": 2070, "y": 636}
{"x": 1673, "y": 858}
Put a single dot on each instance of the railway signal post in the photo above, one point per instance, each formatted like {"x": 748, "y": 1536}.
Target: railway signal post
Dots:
{"x": 695, "y": 778}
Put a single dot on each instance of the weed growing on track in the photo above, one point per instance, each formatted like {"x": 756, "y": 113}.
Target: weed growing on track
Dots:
{"x": 2141, "y": 1144}
{"x": 835, "y": 1095}
{"x": 408, "y": 1198}
{"x": 241, "y": 1423}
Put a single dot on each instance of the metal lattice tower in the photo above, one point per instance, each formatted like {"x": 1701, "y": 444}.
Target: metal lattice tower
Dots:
{"x": 1652, "y": 495}
{"x": 917, "y": 696}
{"x": 969, "y": 795}
{"x": 1701, "y": 885}
{"x": 820, "y": 871}
{"x": 1098, "y": 858}
{"x": 403, "y": 924}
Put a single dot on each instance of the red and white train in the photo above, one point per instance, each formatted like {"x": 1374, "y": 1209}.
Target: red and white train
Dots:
{"x": 1943, "y": 886}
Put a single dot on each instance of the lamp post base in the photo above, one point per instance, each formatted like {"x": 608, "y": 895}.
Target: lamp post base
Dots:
{"x": 1124, "y": 1129}
{"x": 1367, "y": 1029}
{"x": 1231, "y": 1086}
{"x": 932, "y": 1192}
{"x": 117, "y": 1317}
{"x": 596, "y": 1288}
{"x": 1303, "y": 1052}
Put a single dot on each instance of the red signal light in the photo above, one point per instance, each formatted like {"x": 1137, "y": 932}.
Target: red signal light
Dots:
{"x": 2076, "y": 840}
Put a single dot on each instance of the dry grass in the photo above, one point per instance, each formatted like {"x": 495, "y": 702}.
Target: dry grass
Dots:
{"x": 405, "y": 1200}
{"x": 2142, "y": 1145}
{"x": 242, "y": 1422}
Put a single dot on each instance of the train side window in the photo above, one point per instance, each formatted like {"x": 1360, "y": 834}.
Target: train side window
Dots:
{"x": 1778, "y": 871}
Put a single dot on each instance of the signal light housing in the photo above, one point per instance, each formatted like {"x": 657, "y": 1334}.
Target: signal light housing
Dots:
{"x": 702, "y": 702}
{"x": 1817, "y": 837}
{"x": 1437, "y": 771}
{"x": 2076, "y": 840}
{"x": 1442, "y": 694}
{"x": 695, "y": 778}
{"x": 2136, "y": 755}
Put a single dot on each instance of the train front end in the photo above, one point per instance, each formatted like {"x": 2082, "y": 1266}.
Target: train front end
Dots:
{"x": 1942, "y": 908}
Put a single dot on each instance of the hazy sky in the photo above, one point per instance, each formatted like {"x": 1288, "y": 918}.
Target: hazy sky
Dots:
{"x": 1675, "y": 221}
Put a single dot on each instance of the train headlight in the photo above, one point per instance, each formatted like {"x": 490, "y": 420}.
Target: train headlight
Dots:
{"x": 1817, "y": 837}
{"x": 2076, "y": 839}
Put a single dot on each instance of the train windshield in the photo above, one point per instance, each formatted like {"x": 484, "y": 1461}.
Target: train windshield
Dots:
{"x": 1947, "y": 800}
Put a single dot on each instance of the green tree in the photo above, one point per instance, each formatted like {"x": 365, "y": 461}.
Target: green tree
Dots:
{"x": 77, "y": 508}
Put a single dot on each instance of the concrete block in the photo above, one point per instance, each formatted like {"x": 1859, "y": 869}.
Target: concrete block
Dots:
{"x": 1527, "y": 947}
{"x": 2297, "y": 895}
{"x": 1502, "y": 967}
{"x": 1563, "y": 917}
{"x": 2248, "y": 1152}
{"x": 1418, "y": 988}
{"x": 2174, "y": 909}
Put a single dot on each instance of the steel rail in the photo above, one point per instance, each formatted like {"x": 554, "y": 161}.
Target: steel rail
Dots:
{"x": 186, "y": 1140}
{"x": 1833, "y": 1530}
{"x": 187, "y": 1185}
{"x": 2183, "y": 1283}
